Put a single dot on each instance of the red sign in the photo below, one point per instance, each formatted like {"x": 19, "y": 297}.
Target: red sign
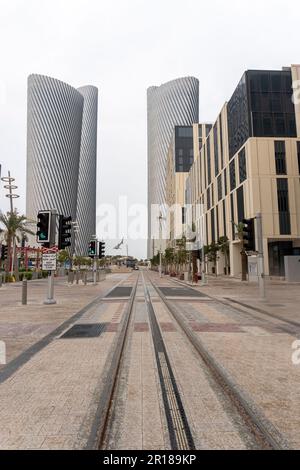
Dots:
{"x": 53, "y": 249}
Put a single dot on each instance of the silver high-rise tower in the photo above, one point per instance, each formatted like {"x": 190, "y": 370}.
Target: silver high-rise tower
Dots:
{"x": 61, "y": 153}
{"x": 173, "y": 103}
{"x": 86, "y": 200}
{"x": 54, "y": 122}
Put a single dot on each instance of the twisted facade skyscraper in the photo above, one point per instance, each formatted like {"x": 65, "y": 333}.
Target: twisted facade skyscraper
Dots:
{"x": 61, "y": 152}
{"x": 86, "y": 200}
{"x": 173, "y": 103}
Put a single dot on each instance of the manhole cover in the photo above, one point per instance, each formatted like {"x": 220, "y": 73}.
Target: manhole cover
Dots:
{"x": 120, "y": 292}
{"x": 180, "y": 292}
{"x": 92, "y": 330}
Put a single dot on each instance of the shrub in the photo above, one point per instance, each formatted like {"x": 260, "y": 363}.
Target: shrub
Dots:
{"x": 28, "y": 276}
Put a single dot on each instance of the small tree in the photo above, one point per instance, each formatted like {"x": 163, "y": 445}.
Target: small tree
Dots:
{"x": 63, "y": 256}
{"x": 212, "y": 254}
{"x": 224, "y": 248}
{"x": 244, "y": 258}
{"x": 169, "y": 258}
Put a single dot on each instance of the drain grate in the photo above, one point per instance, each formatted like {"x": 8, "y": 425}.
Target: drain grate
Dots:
{"x": 92, "y": 330}
{"x": 180, "y": 292}
{"x": 119, "y": 292}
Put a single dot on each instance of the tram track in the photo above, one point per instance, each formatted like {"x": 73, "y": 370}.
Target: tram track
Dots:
{"x": 261, "y": 432}
{"x": 104, "y": 413}
{"x": 266, "y": 434}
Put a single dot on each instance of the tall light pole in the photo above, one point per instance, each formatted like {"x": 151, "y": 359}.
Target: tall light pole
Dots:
{"x": 203, "y": 277}
{"x": 160, "y": 218}
{"x": 11, "y": 187}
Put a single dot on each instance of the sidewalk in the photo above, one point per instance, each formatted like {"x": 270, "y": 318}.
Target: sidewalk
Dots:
{"x": 22, "y": 326}
{"x": 282, "y": 298}
{"x": 50, "y": 401}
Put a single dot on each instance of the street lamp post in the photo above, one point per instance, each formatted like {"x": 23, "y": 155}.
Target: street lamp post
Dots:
{"x": 11, "y": 187}
{"x": 160, "y": 218}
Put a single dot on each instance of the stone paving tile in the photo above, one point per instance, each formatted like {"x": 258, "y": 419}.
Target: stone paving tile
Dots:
{"x": 141, "y": 327}
{"x": 167, "y": 327}
{"x": 216, "y": 327}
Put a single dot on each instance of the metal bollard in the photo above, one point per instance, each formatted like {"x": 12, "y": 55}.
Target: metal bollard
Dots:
{"x": 77, "y": 277}
{"x": 24, "y": 292}
{"x": 85, "y": 278}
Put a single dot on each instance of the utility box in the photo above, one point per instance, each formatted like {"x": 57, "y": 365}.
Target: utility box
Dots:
{"x": 253, "y": 268}
{"x": 292, "y": 268}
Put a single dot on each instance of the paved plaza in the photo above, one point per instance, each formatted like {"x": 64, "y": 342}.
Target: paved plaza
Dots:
{"x": 54, "y": 388}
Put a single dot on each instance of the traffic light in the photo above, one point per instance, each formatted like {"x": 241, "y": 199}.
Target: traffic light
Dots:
{"x": 249, "y": 235}
{"x": 44, "y": 227}
{"x": 4, "y": 252}
{"x": 93, "y": 248}
{"x": 64, "y": 232}
{"x": 101, "y": 250}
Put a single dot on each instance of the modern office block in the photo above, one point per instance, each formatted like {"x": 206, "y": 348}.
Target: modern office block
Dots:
{"x": 173, "y": 103}
{"x": 249, "y": 163}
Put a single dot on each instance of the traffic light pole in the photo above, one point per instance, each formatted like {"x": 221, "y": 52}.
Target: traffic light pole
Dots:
{"x": 95, "y": 271}
{"x": 260, "y": 249}
{"x": 50, "y": 293}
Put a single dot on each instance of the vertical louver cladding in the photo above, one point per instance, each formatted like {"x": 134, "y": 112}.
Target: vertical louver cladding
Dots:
{"x": 53, "y": 145}
{"x": 173, "y": 103}
{"x": 86, "y": 200}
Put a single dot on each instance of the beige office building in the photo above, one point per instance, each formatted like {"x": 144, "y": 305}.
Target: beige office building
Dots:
{"x": 249, "y": 163}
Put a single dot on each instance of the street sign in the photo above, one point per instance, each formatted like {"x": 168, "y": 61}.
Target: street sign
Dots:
{"x": 49, "y": 262}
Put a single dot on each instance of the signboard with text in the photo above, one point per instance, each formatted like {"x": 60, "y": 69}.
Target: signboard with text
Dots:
{"x": 49, "y": 262}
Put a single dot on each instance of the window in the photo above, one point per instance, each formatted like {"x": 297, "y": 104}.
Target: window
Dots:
{"x": 216, "y": 149}
{"x": 242, "y": 165}
{"x": 208, "y": 198}
{"x": 212, "y": 195}
{"x": 204, "y": 166}
{"x": 232, "y": 216}
{"x": 208, "y": 161}
{"x": 208, "y": 129}
{"x": 221, "y": 141}
{"x": 213, "y": 235}
{"x": 232, "y": 175}
{"x": 186, "y": 132}
{"x": 283, "y": 206}
{"x": 218, "y": 226}
{"x": 224, "y": 218}
{"x": 240, "y": 203}
{"x": 298, "y": 155}
{"x": 225, "y": 181}
{"x": 220, "y": 188}
{"x": 280, "y": 158}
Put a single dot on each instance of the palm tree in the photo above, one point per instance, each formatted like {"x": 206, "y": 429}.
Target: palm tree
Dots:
{"x": 15, "y": 227}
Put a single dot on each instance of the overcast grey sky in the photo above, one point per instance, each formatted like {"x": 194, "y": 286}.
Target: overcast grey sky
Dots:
{"x": 122, "y": 47}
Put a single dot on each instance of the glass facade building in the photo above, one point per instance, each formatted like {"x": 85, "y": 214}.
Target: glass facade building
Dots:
{"x": 261, "y": 106}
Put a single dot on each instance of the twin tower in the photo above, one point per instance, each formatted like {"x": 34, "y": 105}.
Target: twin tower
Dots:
{"x": 62, "y": 153}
